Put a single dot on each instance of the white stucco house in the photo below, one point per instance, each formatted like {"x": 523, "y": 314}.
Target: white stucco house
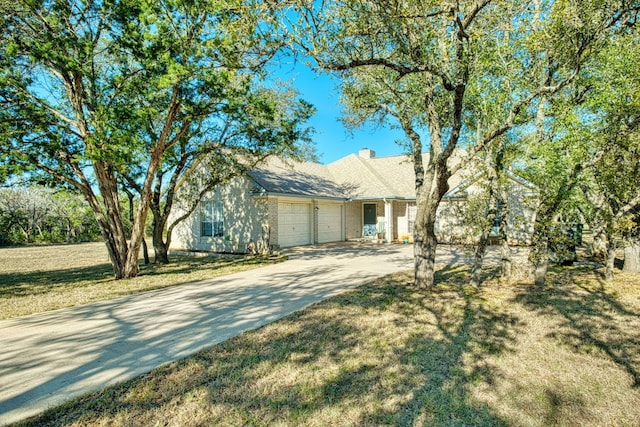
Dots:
{"x": 285, "y": 203}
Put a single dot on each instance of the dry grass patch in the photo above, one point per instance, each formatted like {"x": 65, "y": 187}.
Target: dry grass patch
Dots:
{"x": 388, "y": 354}
{"x": 34, "y": 279}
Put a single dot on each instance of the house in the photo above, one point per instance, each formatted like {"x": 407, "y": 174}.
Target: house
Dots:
{"x": 285, "y": 203}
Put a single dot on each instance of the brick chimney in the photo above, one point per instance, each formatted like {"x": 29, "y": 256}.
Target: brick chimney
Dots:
{"x": 367, "y": 153}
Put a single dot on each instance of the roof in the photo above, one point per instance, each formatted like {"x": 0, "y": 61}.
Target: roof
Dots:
{"x": 287, "y": 177}
{"x": 352, "y": 177}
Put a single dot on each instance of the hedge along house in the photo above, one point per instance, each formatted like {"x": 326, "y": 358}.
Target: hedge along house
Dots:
{"x": 359, "y": 197}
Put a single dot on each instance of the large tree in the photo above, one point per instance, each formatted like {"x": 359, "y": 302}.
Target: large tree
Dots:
{"x": 587, "y": 139}
{"x": 612, "y": 183}
{"x": 88, "y": 89}
{"x": 259, "y": 124}
{"x": 415, "y": 63}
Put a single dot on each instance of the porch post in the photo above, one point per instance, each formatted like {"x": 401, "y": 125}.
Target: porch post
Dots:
{"x": 388, "y": 217}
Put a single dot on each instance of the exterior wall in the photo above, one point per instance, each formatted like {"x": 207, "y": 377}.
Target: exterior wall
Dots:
{"x": 402, "y": 221}
{"x": 522, "y": 215}
{"x": 382, "y": 221}
{"x": 272, "y": 221}
{"x": 251, "y": 223}
{"x": 353, "y": 222}
{"x": 246, "y": 222}
{"x": 399, "y": 209}
{"x": 453, "y": 227}
{"x": 450, "y": 222}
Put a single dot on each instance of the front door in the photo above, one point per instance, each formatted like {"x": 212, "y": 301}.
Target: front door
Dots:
{"x": 370, "y": 220}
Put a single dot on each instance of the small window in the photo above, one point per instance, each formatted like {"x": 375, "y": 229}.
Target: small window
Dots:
{"x": 411, "y": 218}
{"x": 212, "y": 219}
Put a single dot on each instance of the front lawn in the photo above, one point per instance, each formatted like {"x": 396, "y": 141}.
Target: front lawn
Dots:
{"x": 34, "y": 279}
{"x": 388, "y": 354}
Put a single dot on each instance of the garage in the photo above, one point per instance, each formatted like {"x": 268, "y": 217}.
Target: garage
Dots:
{"x": 329, "y": 223}
{"x": 294, "y": 224}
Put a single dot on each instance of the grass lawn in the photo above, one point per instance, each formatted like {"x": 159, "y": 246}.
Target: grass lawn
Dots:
{"x": 34, "y": 279}
{"x": 388, "y": 354}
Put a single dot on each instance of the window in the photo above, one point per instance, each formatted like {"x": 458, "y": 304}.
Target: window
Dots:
{"x": 411, "y": 218}
{"x": 212, "y": 219}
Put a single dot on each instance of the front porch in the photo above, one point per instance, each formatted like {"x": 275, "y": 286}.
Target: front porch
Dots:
{"x": 386, "y": 220}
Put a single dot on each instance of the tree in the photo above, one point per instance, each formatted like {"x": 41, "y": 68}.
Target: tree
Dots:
{"x": 261, "y": 123}
{"x": 86, "y": 92}
{"x": 614, "y": 189}
{"x": 415, "y": 63}
{"x": 494, "y": 206}
{"x": 557, "y": 153}
{"x": 590, "y": 143}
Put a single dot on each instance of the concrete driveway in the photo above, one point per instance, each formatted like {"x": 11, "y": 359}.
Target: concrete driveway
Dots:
{"x": 48, "y": 358}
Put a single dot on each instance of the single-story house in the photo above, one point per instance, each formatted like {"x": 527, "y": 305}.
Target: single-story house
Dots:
{"x": 285, "y": 203}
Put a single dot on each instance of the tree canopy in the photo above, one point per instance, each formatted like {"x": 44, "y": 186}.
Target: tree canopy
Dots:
{"x": 91, "y": 91}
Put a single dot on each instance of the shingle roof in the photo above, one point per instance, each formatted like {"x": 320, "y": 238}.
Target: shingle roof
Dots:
{"x": 278, "y": 176}
{"x": 351, "y": 177}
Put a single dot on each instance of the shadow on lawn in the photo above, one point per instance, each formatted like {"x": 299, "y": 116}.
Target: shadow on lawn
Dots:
{"x": 385, "y": 353}
{"x": 417, "y": 372}
{"x": 42, "y": 281}
{"x": 593, "y": 317}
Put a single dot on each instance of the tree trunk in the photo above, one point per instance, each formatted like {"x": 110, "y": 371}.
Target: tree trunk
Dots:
{"x": 115, "y": 255}
{"x": 610, "y": 254}
{"x": 145, "y": 252}
{"x": 539, "y": 255}
{"x": 160, "y": 247}
{"x": 425, "y": 241}
{"x": 541, "y": 267}
{"x": 505, "y": 250}
{"x": 506, "y": 267}
{"x": 632, "y": 258}
{"x": 481, "y": 247}
{"x": 424, "y": 251}
{"x": 610, "y": 263}
{"x": 111, "y": 224}
{"x": 599, "y": 244}
{"x": 161, "y": 250}
{"x": 478, "y": 260}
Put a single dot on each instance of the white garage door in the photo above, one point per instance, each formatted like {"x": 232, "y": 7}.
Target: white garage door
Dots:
{"x": 294, "y": 224}
{"x": 329, "y": 223}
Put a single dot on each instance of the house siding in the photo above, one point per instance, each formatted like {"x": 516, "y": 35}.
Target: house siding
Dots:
{"x": 353, "y": 220}
{"x": 272, "y": 222}
{"x": 452, "y": 228}
{"x": 402, "y": 219}
{"x": 246, "y": 222}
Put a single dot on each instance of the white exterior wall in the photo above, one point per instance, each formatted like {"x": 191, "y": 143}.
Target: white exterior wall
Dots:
{"x": 452, "y": 228}
{"x": 246, "y": 222}
{"x": 353, "y": 220}
{"x": 402, "y": 219}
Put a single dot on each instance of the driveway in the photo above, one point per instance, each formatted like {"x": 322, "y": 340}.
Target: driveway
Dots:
{"x": 51, "y": 357}
{"x": 48, "y": 358}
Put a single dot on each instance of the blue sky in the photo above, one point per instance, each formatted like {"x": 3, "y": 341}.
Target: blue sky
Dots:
{"x": 332, "y": 139}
